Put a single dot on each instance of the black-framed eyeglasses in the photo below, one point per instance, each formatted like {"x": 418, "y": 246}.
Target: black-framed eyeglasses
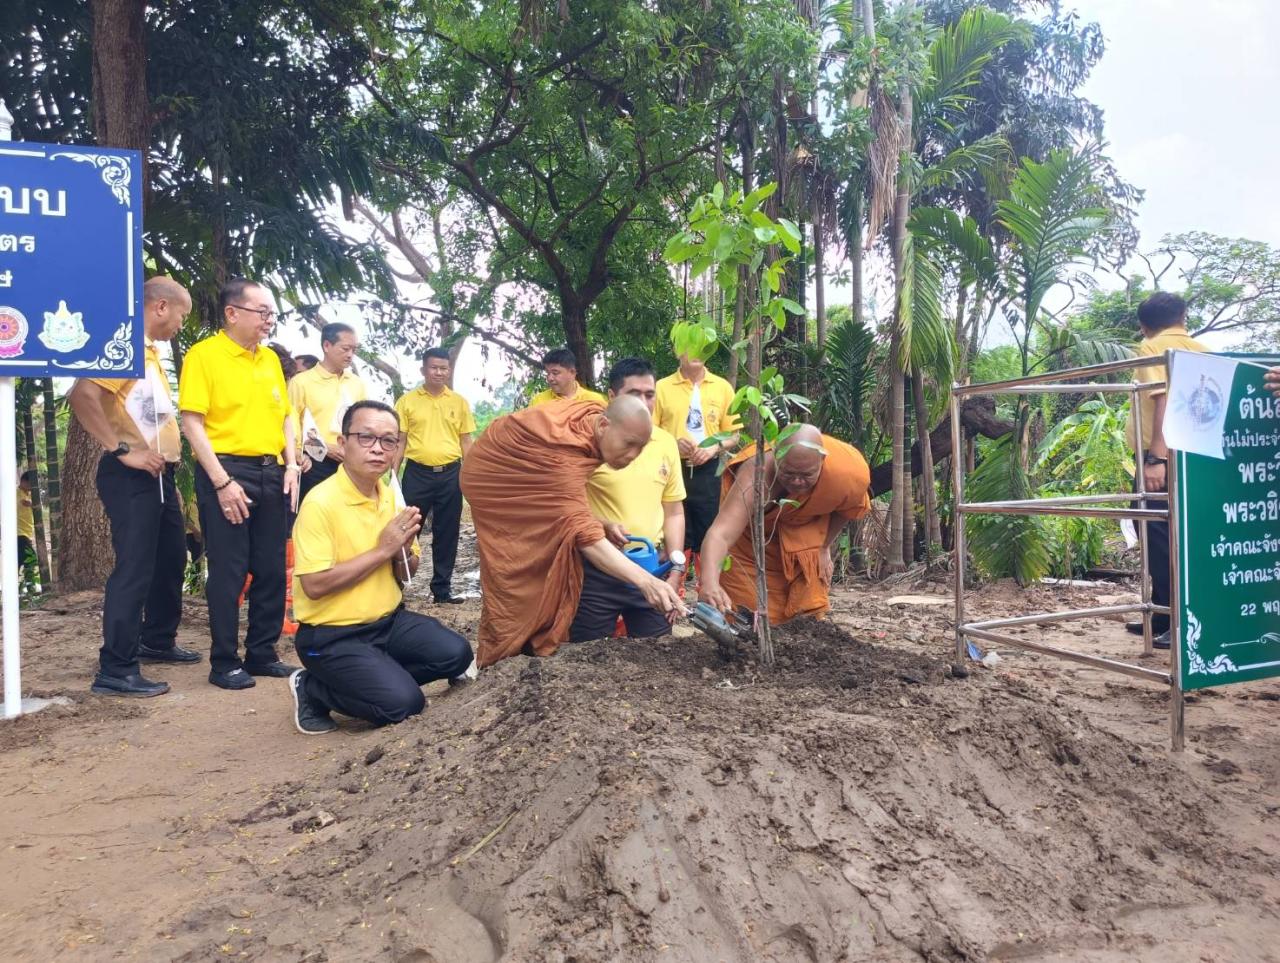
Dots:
{"x": 266, "y": 314}
{"x": 386, "y": 442}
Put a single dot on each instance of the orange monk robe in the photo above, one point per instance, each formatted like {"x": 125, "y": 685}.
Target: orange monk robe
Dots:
{"x": 795, "y": 535}
{"x": 526, "y": 481}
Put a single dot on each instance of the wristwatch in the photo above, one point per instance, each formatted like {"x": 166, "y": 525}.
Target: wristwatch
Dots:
{"x": 676, "y": 558}
{"x": 121, "y": 449}
{"x": 1150, "y": 459}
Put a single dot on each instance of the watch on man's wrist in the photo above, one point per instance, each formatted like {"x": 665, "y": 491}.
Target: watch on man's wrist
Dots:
{"x": 1150, "y": 459}
{"x": 677, "y": 560}
{"x": 121, "y": 449}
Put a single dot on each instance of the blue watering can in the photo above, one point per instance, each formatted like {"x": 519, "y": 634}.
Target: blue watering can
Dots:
{"x": 645, "y": 555}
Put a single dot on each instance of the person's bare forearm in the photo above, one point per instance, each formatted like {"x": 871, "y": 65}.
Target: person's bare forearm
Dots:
{"x": 673, "y": 526}
{"x": 290, "y": 443}
{"x": 198, "y": 439}
{"x": 465, "y": 440}
{"x": 86, "y": 402}
{"x": 398, "y": 458}
{"x": 1158, "y": 446}
{"x": 835, "y": 525}
{"x": 344, "y": 574}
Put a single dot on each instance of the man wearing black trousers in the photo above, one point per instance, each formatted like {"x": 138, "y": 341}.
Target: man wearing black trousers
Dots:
{"x": 366, "y": 656}
{"x": 237, "y": 419}
{"x": 1162, "y": 319}
{"x": 435, "y": 435}
{"x": 133, "y": 420}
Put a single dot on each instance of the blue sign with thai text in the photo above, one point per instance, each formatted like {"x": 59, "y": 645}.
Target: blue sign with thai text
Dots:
{"x": 70, "y": 261}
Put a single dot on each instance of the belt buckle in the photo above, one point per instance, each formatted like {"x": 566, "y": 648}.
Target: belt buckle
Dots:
{"x": 437, "y": 468}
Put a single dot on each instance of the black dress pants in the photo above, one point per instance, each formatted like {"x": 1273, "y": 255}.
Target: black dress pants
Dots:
{"x": 438, "y": 495}
{"x": 701, "y": 502}
{"x": 1157, "y": 562}
{"x": 143, "y": 603}
{"x": 319, "y": 471}
{"x": 375, "y": 671}
{"x": 603, "y": 599}
{"x": 254, "y": 547}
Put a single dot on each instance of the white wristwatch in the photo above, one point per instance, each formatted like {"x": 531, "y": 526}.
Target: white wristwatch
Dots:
{"x": 676, "y": 558}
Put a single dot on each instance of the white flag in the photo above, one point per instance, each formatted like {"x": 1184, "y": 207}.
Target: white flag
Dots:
{"x": 397, "y": 493}
{"x": 312, "y": 443}
{"x": 1199, "y": 392}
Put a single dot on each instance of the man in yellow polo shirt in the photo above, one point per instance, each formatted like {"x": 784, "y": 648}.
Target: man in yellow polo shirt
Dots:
{"x": 365, "y": 655}
{"x": 26, "y": 532}
{"x": 693, "y": 405}
{"x": 435, "y": 433}
{"x": 327, "y": 390}
{"x": 561, "y": 369}
{"x": 1162, "y": 320}
{"x": 134, "y": 422}
{"x": 643, "y": 500}
{"x": 236, "y": 416}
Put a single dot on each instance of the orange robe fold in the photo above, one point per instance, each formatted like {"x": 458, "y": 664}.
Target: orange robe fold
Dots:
{"x": 526, "y": 481}
{"x": 795, "y": 535}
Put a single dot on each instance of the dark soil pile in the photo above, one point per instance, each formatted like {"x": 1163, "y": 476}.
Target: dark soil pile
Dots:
{"x": 631, "y": 800}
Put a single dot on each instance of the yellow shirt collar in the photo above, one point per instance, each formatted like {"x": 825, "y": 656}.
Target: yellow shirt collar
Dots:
{"x": 354, "y": 496}
{"x": 230, "y": 346}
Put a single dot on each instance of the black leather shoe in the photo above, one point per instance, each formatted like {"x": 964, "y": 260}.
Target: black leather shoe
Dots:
{"x": 272, "y": 670}
{"x": 1161, "y": 641}
{"x": 235, "y": 679}
{"x": 310, "y": 718}
{"x": 1157, "y": 627}
{"x": 448, "y": 599}
{"x": 174, "y": 653}
{"x": 131, "y": 686}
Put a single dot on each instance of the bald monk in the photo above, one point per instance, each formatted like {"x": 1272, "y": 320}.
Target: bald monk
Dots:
{"x": 526, "y": 481}
{"x": 829, "y": 479}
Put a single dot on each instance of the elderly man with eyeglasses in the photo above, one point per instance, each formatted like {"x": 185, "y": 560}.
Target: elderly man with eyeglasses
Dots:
{"x": 366, "y": 656}
{"x": 237, "y": 418}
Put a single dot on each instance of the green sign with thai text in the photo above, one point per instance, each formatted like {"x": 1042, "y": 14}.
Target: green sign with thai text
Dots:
{"x": 1228, "y": 524}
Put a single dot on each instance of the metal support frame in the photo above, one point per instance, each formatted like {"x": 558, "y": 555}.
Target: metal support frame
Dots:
{"x": 1138, "y": 507}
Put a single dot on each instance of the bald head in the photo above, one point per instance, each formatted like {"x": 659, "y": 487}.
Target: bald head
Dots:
{"x": 166, "y": 304}
{"x": 623, "y": 431}
{"x": 800, "y": 462}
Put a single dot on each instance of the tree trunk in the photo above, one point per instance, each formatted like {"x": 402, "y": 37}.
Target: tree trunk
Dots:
{"x": 819, "y": 283}
{"x": 977, "y": 417}
{"x": 933, "y": 527}
{"x": 121, "y": 118}
{"x": 764, "y": 631}
{"x": 37, "y": 502}
{"x": 574, "y": 315}
{"x": 855, "y": 273}
{"x": 901, "y": 212}
{"x": 740, "y": 299}
{"x": 52, "y": 475}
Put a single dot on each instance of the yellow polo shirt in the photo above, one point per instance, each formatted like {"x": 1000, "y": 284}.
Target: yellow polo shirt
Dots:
{"x": 141, "y": 412}
{"x": 675, "y": 395}
{"x": 26, "y": 517}
{"x": 433, "y": 425}
{"x": 634, "y": 495}
{"x": 582, "y": 394}
{"x": 240, "y": 393}
{"x": 1175, "y": 338}
{"x": 336, "y": 523}
{"x": 327, "y": 396}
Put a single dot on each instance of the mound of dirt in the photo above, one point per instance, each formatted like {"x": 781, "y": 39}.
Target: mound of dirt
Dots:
{"x": 634, "y": 800}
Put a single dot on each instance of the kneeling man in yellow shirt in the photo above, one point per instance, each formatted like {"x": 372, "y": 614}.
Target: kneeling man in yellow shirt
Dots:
{"x": 364, "y": 654}
{"x": 643, "y": 500}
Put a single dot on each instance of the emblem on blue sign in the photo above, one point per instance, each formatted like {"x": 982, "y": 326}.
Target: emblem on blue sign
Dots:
{"x": 13, "y": 332}
{"x": 63, "y": 330}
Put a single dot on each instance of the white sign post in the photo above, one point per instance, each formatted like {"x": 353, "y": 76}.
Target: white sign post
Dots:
{"x": 9, "y": 520}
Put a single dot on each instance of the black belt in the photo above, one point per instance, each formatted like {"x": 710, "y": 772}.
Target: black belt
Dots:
{"x": 262, "y": 460}
{"x": 438, "y": 468}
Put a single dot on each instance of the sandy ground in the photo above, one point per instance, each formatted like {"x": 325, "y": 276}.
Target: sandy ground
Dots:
{"x": 653, "y": 801}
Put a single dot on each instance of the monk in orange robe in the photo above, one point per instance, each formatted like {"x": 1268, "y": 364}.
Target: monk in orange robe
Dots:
{"x": 526, "y": 481}
{"x": 818, "y": 485}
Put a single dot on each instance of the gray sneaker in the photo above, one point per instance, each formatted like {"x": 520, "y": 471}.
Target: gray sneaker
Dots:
{"x": 310, "y": 719}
